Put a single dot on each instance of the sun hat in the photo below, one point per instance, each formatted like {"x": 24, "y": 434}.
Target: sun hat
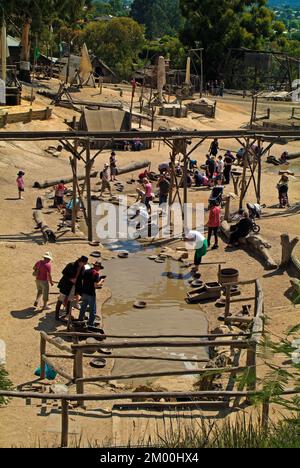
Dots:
{"x": 48, "y": 255}
{"x": 98, "y": 264}
{"x": 21, "y": 173}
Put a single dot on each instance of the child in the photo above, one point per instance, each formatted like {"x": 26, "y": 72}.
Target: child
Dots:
{"x": 20, "y": 184}
{"x": 283, "y": 189}
{"x": 59, "y": 195}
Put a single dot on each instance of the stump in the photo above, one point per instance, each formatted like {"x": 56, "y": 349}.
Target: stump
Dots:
{"x": 287, "y": 250}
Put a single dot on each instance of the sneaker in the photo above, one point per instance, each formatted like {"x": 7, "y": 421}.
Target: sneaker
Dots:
{"x": 215, "y": 247}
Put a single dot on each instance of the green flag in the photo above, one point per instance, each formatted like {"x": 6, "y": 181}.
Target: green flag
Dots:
{"x": 37, "y": 53}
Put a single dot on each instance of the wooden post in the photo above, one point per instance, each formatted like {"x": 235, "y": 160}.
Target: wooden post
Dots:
{"x": 79, "y": 374}
{"x": 64, "y": 423}
{"x": 43, "y": 352}
{"x": 251, "y": 364}
{"x": 227, "y": 209}
{"x": 245, "y": 165}
{"x": 265, "y": 414}
{"x": 75, "y": 182}
{"x": 88, "y": 190}
{"x": 185, "y": 187}
{"x": 227, "y": 305}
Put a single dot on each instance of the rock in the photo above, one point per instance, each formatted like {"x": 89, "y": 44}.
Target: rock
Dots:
{"x": 59, "y": 389}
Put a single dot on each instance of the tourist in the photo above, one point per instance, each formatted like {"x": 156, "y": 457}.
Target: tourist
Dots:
{"x": 148, "y": 193}
{"x": 113, "y": 166}
{"x": 211, "y": 163}
{"x": 137, "y": 144}
{"x": 200, "y": 247}
{"x": 228, "y": 162}
{"x": 284, "y": 157}
{"x": 164, "y": 167}
{"x": 220, "y": 167}
{"x": 214, "y": 147}
{"x": 59, "y": 195}
{"x": 42, "y": 272}
{"x": 143, "y": 175}
{"x": 240, "y": 155}
{"x": 241, "y": 229}
{"x": 254, "y": 210}
{"x": 192, "y": 164}
{"x": 200, "y": 179}
{"x": 142, "y": 226}
{"x": 214, "y": 223}
{"x": 91, "y": 282}
{"x": 104, "y": 176}
{"x": 283, "y": 189}
{"x": 127, "y": 146}
{"x": 20, "y": 184}
{"x": 70, "y": 285}
{"x": 179, "y": 170}
{"x": 164, "y": 189}
{"x": 222, "y": 87}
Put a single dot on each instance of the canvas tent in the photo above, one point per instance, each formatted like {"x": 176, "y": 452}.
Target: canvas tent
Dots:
{"x": 104, "y": 120}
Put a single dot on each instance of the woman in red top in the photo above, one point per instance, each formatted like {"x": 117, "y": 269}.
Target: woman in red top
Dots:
{"x": 214, "y": 222}
{"x": 20, "y": 184}
{"x": 42, "y": 272}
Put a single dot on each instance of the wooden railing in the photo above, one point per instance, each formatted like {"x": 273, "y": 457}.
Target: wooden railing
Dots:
{"x": 77, "y": 352}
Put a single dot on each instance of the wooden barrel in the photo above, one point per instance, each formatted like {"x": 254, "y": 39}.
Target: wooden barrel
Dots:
{"x": 228, "y": 275}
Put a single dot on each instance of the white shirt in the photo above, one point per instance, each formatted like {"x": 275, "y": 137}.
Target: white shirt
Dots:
{"x": 197, "y": 237}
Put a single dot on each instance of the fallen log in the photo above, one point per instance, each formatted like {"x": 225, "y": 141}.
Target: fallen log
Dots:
{"x": 48, "y": 234}
{"x": 136, "y": 166}
{"x": 53, "y": 182}
{"x": 293, "y": 155}
{"x": 258, "y": 245}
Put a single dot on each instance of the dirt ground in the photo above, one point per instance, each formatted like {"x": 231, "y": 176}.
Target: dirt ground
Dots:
{"x": 22, "y": 423}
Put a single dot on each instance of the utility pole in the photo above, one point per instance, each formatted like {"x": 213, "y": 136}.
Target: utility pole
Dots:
{"x": 3, "y": 50}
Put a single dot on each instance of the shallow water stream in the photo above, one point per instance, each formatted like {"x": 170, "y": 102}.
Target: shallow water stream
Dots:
{"x": 163, "y": 287}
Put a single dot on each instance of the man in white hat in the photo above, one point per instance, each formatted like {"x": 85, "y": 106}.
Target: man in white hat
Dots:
{"x": 42, "y": 272}
{"x": 104, "y": 176}
{"x": 200, "y": 245}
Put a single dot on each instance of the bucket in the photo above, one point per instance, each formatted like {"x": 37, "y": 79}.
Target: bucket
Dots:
{"x": 228, "y": 275}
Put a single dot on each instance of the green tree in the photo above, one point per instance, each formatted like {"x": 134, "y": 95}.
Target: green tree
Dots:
{"x": 160, "y": 17}
{"x": 117, "y": 42}
{"x": 217, "y": 25}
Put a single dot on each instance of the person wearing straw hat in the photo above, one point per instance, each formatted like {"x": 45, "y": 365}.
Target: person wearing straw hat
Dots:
{"x": 42, "y": 272}
{"x": 200, "y": 245}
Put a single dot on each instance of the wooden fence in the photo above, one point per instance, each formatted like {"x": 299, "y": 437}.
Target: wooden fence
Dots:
{"x": 25, "y": 117}
{"x": 76, "y": 352}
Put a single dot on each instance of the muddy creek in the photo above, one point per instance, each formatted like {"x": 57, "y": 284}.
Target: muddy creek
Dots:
{"x": 163, "y": 287}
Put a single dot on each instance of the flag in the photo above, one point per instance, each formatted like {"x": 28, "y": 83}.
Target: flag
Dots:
{"x": 37, "y": 53}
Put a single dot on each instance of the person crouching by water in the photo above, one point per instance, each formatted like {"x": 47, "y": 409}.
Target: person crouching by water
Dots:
{"x": 241, "y": 229}
{"x": 70, "y": 285}
{"x": 200, "y": 246}
{"x": 91, "y": 282}
{"x": 42, "y": 272}
{"x": 20, "y": 184}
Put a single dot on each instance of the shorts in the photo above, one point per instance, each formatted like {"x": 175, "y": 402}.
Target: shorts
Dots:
{"x": 21, "y": 189}
{"x": 43, "y": 289}
{"x": 59, "y": 200}
{"x": 105, "y": 185}
{"x": 147, "y": 201}
{"x": 113, "y": 170}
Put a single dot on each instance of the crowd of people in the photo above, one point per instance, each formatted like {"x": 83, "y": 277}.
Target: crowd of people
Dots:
{"x": 77, "y": 287}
